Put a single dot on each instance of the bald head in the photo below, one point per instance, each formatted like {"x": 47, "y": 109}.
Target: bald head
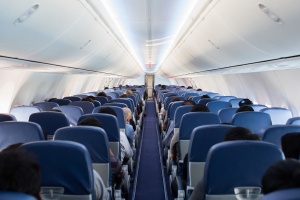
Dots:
{"x": 127, "y": 113}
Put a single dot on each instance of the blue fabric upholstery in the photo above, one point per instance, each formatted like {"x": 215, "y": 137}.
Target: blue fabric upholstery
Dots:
{"x": 173, "y": 107}
{"x": 215, "y": 106}
{"x": 46, "y": 106}
{"x": 226, "y": 114}
{"x": 205, "y": 101}
{"x": 61, "y": 102}
{"x": 7, "y": 117}
{"x": 50, "y": 121}
{"x": 238, "y": 163}
{"x": 213, "y": 94}
{"x": 64, "y": 164}
{"x": 180, "y": 111}
{"x": 287, "y": 194}
{"x": 96, "y": 103}
{"x": 255, "y": 121}
{"x": 293, "y": 121}
{"x": 120, "y": 114}
{"x": 72, "y": 112}
{"x": 196, "y": 99}
{"x": 121, "y": 105}
{"x": 226, "y": 98}
{"x": 15, "y": 132}
{"x": 274, "y": 133}
{"x": 8, "y": 195}
{"x": 81, "y": 95}
{"x": 87, "y": 107}
{"x": 258, "y": 107}
{"x": 235, "y": 102}
{"x": 102, "y": 100}
{"x": 125, "y": 101}
{"x": 278, "y": 115}
{"x": 191, "y": 94}
{"x": 22, "y": 113}
{"x": 73, "y": 98}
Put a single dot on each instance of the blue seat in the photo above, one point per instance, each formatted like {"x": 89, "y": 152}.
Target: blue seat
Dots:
{"x": 126, "y": 101}
{"x": 168, "y": 101}
{"x": 96, "y": 103}
{"x": 133, "y": 97}
{"x": 274, "y": 133}
{"x": 87, "y": 107}
{"x": 16, "y": 132}
{"x": 112, "y": 95}
{"x": 109, "y": 98}
{"x": 73, "y": 98}
{"x": 202, "y": 139}
{"x": 66, "y": 165}
{"x": 81, "y": 95}
{"x": 293, "y": 121}
{"x": 101, "y": 99}
{"x": 254, "y": 121}
{"x": 49, "y": 122}
{"x": 215, "y": 106}
{"x": 239, "y": 164}
{"x": 111, "y": 126}
{"x": 121, "y": 105}
{"x": 213, "y": 94}
{"x": 226, "y": 114}
{"x": 286, "y": 194}
{"x": 96, "y": 142}
{"x": 5, "y": 195}
{"x": 190, "y": 94}
{"x": 226, "y": 98}
{"x": 61, "y": 102}
{"x": 196, "y": 99}
{"x": 7, "y": 117}
{"x": 278, "y": 115}
{"x": 258, "y": 107}
{"x": 22, "y": 113}
{"x": 46, "y": 106}
{"x": 72, "y": 112}
{"x": 235, "y": 102}
{"x": 205, "y": 101}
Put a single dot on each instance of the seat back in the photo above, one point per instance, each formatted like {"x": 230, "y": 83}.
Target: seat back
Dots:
{"x": 7, "y": 117}
{"x": 111, "y": 126}
{"x": 173, "y": 107}
{"x": 65, "y": 165}
{"x": 213, "y": 94}
{"x": 215, "y": 106}
{"x": 72, "y": 112}
{"x": 101, "y": 99}
{"x": 235, "y": 102}
{"x": 46, "y": 106}
{"x": 16, "y": 132}
{"x": 73, "y": 98}
{"x": 190, "y": 94}
{"x": 286, "y": 194}
{"x": 22, "y": 113}
{"x": 278, "y": 115}
{"x": 274, "y": 133}
{"x": 49, "y": 121}
{"x": 196, "y": 99}
{"x": 179, "y": 112}
{"x": 226, "y": 114}
{"x": 205, "y": 101}
{"x": 291, "y": 121}
{"x": 4, "y": 195}
{"x": 61, "y": 102}
{"x": 258, "y": 107}
{"x": 202, "y": 139}
{"x": 87, "y": 107}
{"x": 96, "y": 142}
{"x": 189, "y": 121}
{"x": 125, "y": 101}
{"x": 121, "y": 105}
{"x": 96, "y": 103}
{"x": 226, "y": 98}
{"x": 255, "y": 121}
{"x": 239, "y": 164}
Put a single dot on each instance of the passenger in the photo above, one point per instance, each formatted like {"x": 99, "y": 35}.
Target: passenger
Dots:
{"x": 284, "y": 174}
{"x": 123, "y": 96}
{"x": 101, "y": 94}
{"x": 244, "y": 109}
{"x": 126, "y": 151}
{"x": 199, "y": 89}
{"x": 205, "y": 96}
{"x": 19, "y": 172}
{"x": 129, "y": 129}
{"x": 245, "y": 102}
{"x": 164, "y": 111}
{"x": 129, "y": 91}
{"x": 87, "y": 99}
{"x": 290, "y": 144}
{"x": 200, "y": 108}
{"x": 188, "y": 103}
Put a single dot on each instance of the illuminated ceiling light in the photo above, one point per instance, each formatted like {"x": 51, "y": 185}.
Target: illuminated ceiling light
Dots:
{"x": 26, "y": 14}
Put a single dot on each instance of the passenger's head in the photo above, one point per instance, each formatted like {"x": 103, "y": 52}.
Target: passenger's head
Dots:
{"x": 123, "y": 96}
{"x": 128, "y": 92}
{"x": 101, "y": 94}
{"x": 163, "y": 87}
{"x": 90, "y": 121}
{"x": 290, "y": 144}
{"x": 200, "y": 108}
{"x": 19, "y": 172}
{"x": 199, "y": 89}
{"x": 108, "y": 110}
{"x": 240, "y": 133}
{"x": 188, "y": 103}
{"x": 284, "y": 174}
{"x": 244, "y": 109}
{"x": 91, "y": 97}
{"x": 173, "y": 99}
{"x": 189, "y": 87}
{"x": 127, "y": 113}
{"x": 245, "y": 102}
{"x": 205, "y": 96}
{"x": 87, "y": 99}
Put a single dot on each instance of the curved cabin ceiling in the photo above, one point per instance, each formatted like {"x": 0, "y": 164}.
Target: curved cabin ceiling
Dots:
{"x": 125, "y": 38}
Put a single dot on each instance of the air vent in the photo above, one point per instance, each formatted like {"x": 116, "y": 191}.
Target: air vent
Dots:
{"x": 270, "y": 14}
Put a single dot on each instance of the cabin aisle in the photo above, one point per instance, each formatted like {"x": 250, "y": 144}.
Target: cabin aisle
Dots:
{"x": 150, "y": 181}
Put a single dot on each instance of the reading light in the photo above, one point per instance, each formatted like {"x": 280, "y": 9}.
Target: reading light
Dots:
{"x": 270, "y": 14}
{"x": 26, "y": 14}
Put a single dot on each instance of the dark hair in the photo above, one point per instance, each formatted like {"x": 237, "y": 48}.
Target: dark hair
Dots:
{"x": 199, "y": 89}
{"x": 91, "y": 97}
{"x": 188, "y": 102}
{"x": 200, "y": 108}
{"x": 101, "y": 94}
{"x": 284, "y": 174}
{"x": 19, "y": 172}
{"x": 244, "y": 109}
{"x": 108, "y": 110}
{"x": 205, "y": 96}
{"x": 90, "y": 121}
{"x": 87, "y": 99}
{"x": 245, "y": 102}
{"x": 51, "y": 99}
{"x": 240, "y": 133}
{"x": 290, "y": 144}
{"x": 123, "y": 96}
{"x": 173, "y": 99}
